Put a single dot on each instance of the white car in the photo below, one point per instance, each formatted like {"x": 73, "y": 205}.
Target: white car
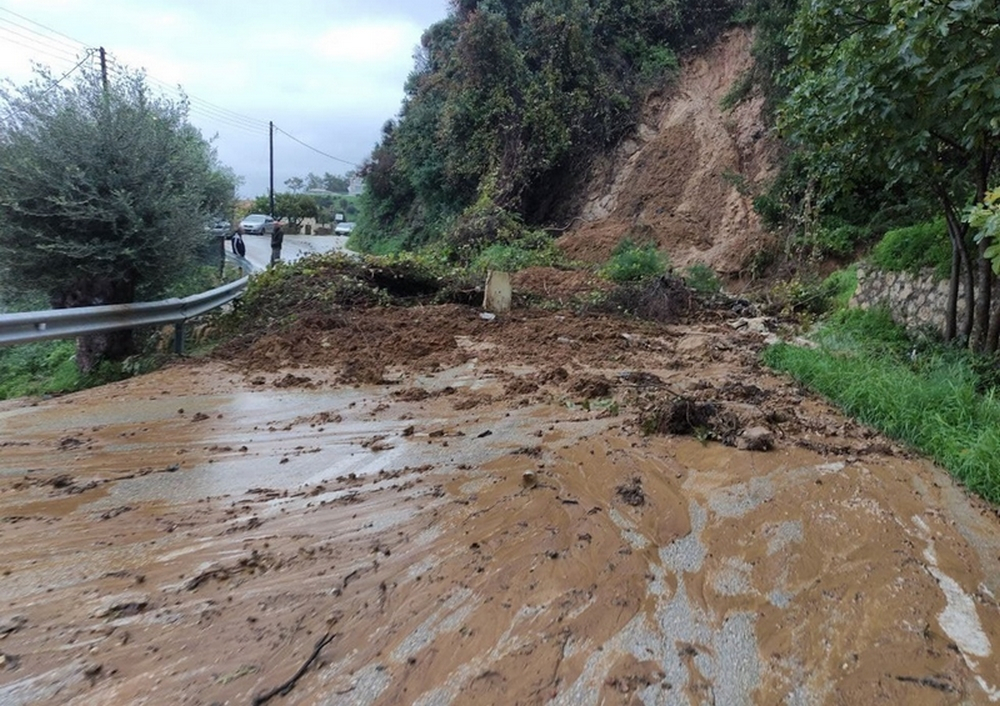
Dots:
{"x": 344, "y": 228}
{"x": 257, "y": 224}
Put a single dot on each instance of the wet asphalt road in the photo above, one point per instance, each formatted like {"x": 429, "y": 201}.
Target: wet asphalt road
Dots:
{"x": 295, "y": 246}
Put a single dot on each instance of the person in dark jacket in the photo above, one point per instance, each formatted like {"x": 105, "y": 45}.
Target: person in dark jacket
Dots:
{"x": 277, "y": 236}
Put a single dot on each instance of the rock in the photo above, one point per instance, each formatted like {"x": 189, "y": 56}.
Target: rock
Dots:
{"x": 122, "y": 605}
{"x": 759, "y": 324}
{"x": 11, "y": 625}
{"x": 755, "y": 439}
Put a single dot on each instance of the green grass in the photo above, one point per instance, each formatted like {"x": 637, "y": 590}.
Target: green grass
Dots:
{"x": 38, "y": 368}
{"x": 931, "y": 403}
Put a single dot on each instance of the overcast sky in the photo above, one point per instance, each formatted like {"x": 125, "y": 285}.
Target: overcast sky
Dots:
{"x": 327, "y": 72}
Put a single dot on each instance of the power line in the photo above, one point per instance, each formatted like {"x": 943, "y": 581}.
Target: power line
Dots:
{"x": 55, "y": 83}
{"x": 209, "y": 106}
{"x": 26, "y": 43}
{"x": 200, "y": 107}
{"x": 75, "y": 42}
{"x": 196, "y": 106}
{"x": 52, "y": 49}
{"x": 292, "y": 137}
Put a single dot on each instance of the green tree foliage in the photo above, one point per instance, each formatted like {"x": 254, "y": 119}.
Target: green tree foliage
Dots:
{"x": 510, "y": 100}
{"x": 908, "y": 90}
{"x": 985, "y": 218}
{"x": 329, "y": 182}
{"x": 103, "y": 194}
{"x": 291, "y": 208}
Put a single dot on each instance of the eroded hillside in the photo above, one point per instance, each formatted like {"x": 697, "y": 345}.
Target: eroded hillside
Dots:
{"x": 684, "y": 179}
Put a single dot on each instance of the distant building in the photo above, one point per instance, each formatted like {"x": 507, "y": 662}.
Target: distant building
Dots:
{"x": 356, "y": 186}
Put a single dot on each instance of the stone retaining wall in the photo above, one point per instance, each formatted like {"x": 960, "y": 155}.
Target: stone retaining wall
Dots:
{"x": 915, "y": 301}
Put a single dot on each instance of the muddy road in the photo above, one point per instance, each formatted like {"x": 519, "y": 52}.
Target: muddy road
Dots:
{"x": 512, "y": 512}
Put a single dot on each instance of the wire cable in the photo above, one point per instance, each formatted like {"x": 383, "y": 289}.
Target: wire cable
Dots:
{"x": 60, "y": 79}
{"x": 36, "y": 49}
{"x": 52, "y": 49}
{"x": 330, "y": 156}
{"x": 76, "y": 43}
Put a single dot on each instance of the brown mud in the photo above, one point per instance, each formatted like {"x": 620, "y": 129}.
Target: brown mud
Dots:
{"x": 491, "y": 523}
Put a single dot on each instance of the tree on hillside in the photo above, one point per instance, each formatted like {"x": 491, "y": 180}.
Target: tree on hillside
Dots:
{"x": 908, "y": 90}
{"x": 295, "y": 184}
{"x": 336, "y": 184}
{"x": 288, "y": 207}
{"x": 103, "y": 194}
{"x": 509, "y": 103}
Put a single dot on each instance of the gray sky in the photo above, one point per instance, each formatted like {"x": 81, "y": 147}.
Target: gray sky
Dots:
{"x": 328, "y": 72}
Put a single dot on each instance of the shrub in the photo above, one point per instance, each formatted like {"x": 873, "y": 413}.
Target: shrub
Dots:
{"x": 835, "y": 238}
{"x": 662, "y": 298}
{"x": 915, "y": 247}
{"x": 702, "y": 279}
{"x": 532, "y": 249}
{"x": 633, "y": 263}
{"x": 840, "y": 287}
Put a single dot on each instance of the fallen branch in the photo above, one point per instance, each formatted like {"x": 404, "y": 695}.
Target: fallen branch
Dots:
{"x": 938, "y": 684}
{"x": 286, "y": 688}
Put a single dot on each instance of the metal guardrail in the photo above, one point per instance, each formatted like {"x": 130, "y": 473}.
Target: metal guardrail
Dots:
{"x": 30, "y": 326}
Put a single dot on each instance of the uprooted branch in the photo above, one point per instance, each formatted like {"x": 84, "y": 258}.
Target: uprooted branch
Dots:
{"x": 286, "y": 688}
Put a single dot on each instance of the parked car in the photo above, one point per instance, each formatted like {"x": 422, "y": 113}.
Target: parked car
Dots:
{"x": 221, "y": 228}
{"x": 344, "y": 228}
{"x": 257, "y": 224}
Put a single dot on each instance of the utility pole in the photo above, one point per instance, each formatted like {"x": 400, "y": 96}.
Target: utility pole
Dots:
{"x": 104, "y": 69}
{"x": 271, "y": 190}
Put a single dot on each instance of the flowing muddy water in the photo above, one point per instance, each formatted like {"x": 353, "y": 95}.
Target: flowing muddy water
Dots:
{"x": 465, "y": 537}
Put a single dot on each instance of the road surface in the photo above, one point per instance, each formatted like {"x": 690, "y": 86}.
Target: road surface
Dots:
{"x": 295, "y": 246}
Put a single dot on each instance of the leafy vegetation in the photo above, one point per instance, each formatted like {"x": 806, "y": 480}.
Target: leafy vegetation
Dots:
{"x": 834, "y": 238}
{"x": 926, "y": 397}
{"x": 915, "y": 247}
{"x": 702, "y": 279}
{"x": 808, "y": 297}
{"x": 903, "y": 94}
{"x": 328, "y": 182}
{"x": 633, "y": 263}
{"x": 984, "y": 217}
{"x": 38, "y": 368}
{"x": 509, "y": 102}
{"x": 103, "y": 191}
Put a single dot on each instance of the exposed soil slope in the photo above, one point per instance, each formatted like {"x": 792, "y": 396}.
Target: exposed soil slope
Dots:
{"x": 684, "y": 180}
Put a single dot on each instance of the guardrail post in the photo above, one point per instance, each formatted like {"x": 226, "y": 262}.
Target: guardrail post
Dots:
{"x": 179, "y": 338}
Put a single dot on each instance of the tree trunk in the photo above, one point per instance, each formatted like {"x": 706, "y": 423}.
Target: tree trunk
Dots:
{"x": 115, "y": 345}
{"x": 951, "y": 313}
{"x": 984, "y": 298}
{"x": 92, "y": 349}
{"x": 993, "y": 337}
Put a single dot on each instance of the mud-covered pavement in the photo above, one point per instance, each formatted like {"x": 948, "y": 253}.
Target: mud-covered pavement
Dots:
{"x": 489, "y": 523}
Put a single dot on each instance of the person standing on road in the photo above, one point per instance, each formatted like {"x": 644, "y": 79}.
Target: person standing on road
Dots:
{"x": 277, "y": 236}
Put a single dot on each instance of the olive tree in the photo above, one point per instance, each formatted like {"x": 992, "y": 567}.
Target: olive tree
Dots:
{"x": 104, "y": 190}
{"x": 908, "y": 90}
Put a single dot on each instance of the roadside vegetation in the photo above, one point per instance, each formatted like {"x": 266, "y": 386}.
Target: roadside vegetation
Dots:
{"x": 939, "y": 400}
{"x": 50, "y": 367}
{"x": 104, "y": 188}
